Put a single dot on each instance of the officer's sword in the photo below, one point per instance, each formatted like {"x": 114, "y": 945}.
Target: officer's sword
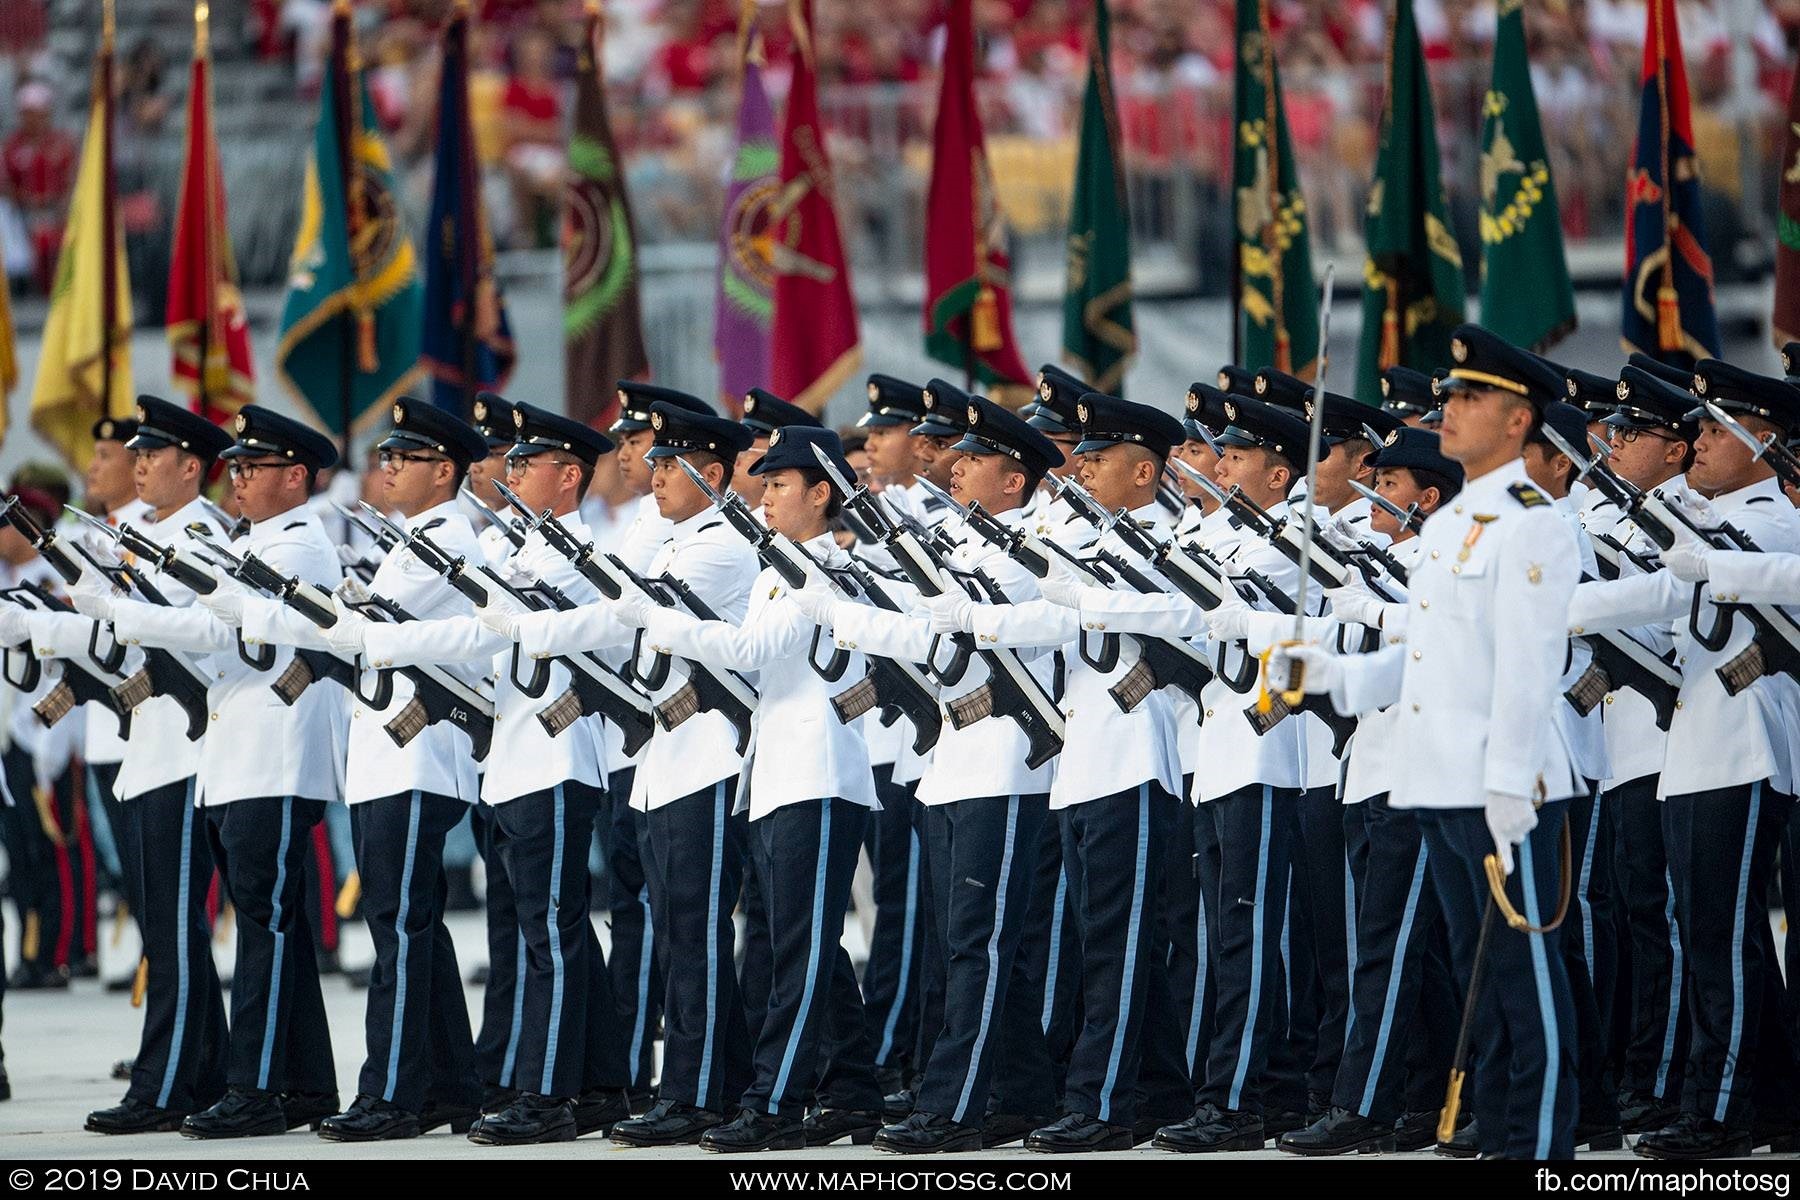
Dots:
{"x": 1293, "y": 690}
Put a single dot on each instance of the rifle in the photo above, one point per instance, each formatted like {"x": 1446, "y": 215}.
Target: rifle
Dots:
{"x": 594, "y": 687}
{"x": 1775, "y": 643}
{"x": 1162, "y": 662}
{"x": 437, "y": 695}
{"x": 890, "y": 682}
{"x": 1011, "y": 690}
{"x": 164, "y": 673}
{"x": 80, "y": 684}
{"x": 706, "y": 689}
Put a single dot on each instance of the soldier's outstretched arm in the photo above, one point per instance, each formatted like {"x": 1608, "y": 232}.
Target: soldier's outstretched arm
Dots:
{"x": 1536, "y": 574}
{"x": 1739, "y": 576}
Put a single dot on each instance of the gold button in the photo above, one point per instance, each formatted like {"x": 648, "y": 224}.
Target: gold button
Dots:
{"x": 1417, "y": 655}
{"x": 1434, "y": 554}
{"x": 1678, "y": 704}
{"x": 1609, "y": 698}
{"x": 1457, "y": 569}
{"x": 1209, "y": 712}
{"x": 1457, "y": 509}
{"x": 213, "y": 716}
{"x": 1682, "y": 661}
{"x": 221, "y": 674}
{"x": 1575, "y": 631}
{"x": 1424, "y": 604}
{"x": 1415, "y": 708}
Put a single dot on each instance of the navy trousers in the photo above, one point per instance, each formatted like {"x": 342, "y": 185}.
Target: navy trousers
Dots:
{"x": 1325, "y": 889}
{"x": 502, "y": 1003}
{"x": 1050, "y": 950}
{"x": 181, "y": 1056}
{"x": 1656, "y": 1043}
{"x": 1524, "y": 1031}
{"x": 568, "y": 1040}
{"x": 1721, "y": 848}
{"x": 813, "y": 1045}
{"x": 1127, "y": 1059}
{"x": 694, "y": 863}
{"x": 890, "y": 982}
{"x": 417, "y": 1022}
{"x": 1255, "y": 827}
{"x": 634, "y": 963}
{"x": 982, "y": 896}
{"x": 279, "y": 1038}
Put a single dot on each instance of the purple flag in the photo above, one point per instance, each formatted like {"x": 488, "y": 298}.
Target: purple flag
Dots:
{"x": 745, "y": 302}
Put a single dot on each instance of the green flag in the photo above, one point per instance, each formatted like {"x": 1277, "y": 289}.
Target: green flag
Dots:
{"x": 1526, "y": 296}
{"x": 1097, "y": 333}
{"x": 1278, "y": 299}
{"x": 1413, "y": 277}
{"x": 350, "y": 323}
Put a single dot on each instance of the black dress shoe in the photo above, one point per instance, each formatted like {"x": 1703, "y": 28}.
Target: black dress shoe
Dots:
{"x": 668, "y": 1123}
{"x": 121, "y": 1070}
{"x": 459, "y": 1117}
{"x": 640, "y": 1100}
{"x": 1286, "y": 1121}
{"x": 827, "y": 1125}
{"x": 134, "y": 1116}
{"x": 1003, "y": 1129}
{"x": 1415, "y": 1130}
{"x": 1213, "y": 1130}
{"x": 527, "y": 1121}
{"x": 929, "y": 1133}
{"x": 597, "y": 1111}
{"x": 84, "y": 968}
{"x": 1601, "y": 1135}
{"x": 370, "y": 1119}
{"x": 895, "y": 1105}
{"x": 32, "y": 976}
{"x": 243, "y": 1112}
{"x": 1077, "y": 1132}
{"x": 750, "y": 1131}
{"x": 5, "y": 1085}
{"x": 1463, "y": 1144}
{"x": 309, "y": 1108}
{"x": 1641, "y": 1112}
{"x": 1691, "y": 1137}
{"x": 1339, "y": 1131}
{"x": 497, "y": 1099}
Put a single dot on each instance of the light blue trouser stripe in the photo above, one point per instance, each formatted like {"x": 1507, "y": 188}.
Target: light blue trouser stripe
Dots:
{"x": 557, "y": 981}
{"x": 1256, "y": 950}
{"x": 1587, "y": 877}
{"x": 892, "y": 1024}
{"x": 1202, "y": 946}
{"x": 993, "y": 960}
{"x": 518, "y": 1016}
{"x": 1540, "y": 970}
{"x": 646, "y": 952}
{"x": 1390, "y": 1002}
{"x": 1737, "y": 956}
{"x": 1127, "y": 976}
{"x": 183, "y": 893}
{"x": 1056, "y": 924}
{"x": 704, "y": 1084}
{"x": 1676, "y": 970}
{"x": 406, "y": 874}
{"x": 813, "y": 954}
{"x": 1349, "y": 946}
{"x": 274, "y": 1007}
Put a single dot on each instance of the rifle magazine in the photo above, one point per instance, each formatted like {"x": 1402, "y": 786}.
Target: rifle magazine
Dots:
{"x": 679, "y": 707}
{"x": 561, "y": 713}
{"x": 130, "y": 693}
{"x": 966, "y": 710}
{"x": 56, "y": 705}
{"x": 293, "y": 682}
{"x": 1588, "y": 691}
{"x": 1135, "y": 685}
{"x": 1261, "y": 721}
{"x": 1749, "y": 666}
{"x": 855, "y": 700}
{"x": 408, "y": 723}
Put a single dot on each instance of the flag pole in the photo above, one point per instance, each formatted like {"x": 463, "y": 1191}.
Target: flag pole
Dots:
{"x": 1271, "y": 224}
{"x": 1668, "y": 300}
{"x": 343, "y": 64}
{"x": 202, "y": 12}
{"x": 109, "y": 231}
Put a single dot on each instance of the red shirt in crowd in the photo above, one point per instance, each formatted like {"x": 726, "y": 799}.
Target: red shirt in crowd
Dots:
{"x": 40, "y": 171}
{"x": 534, "y": 101}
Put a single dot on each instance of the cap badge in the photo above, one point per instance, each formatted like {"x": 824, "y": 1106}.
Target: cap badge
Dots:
{"x": 1386, "y": 387}
{"x": 518, "y": 418}
{"x": 775, "y": 437}
{"x": 1231, "y": 411}
{"x": 1081, "y": 413}
{"x": 1392, "y": 437}
{"x": 1623, "y": 390}
{"x": 1224, "y": 380}
{"x": 1699, "y": 383}
{"x": 656, "y": 421}
{"x": 242, "y": 423}
{"x": 1574, "y": 388}
{"x": 143, "y": 414}
{"x": 399, "y": 413}
{"x": 1193, "y": 403}
{"x": 1262, "y": 384}
{"x": 974, "y": 416}
{"x": 1459, "y": 350}
{"x": 874, "y": 392}
{"x": 749, "y": 405}
{"x": 481, "y": 410}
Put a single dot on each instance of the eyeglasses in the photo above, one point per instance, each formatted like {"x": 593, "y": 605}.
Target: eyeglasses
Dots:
{"x": 518, "y": 464}
{"x": 394, "y": 460}
{"x": 1625, "y": 437}
{"x": 247, "y": 470}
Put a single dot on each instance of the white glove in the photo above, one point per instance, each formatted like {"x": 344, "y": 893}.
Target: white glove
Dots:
{"x": 1230, "y": 621}
{"x": 350, "y": 556}
{"x": 501, "y": 619}
{"x": 1699, "y": 510}
{"x": 13, "y": 626}
{"x": 1062, "y": 587}
{"x": 952, "y": 612}
{"x": 347, "y": 635}
{"x": 1337, "y": 531}
{"x": 1354, "y": 604}
{"x": 1686, "y": 560}
{"x": 1509, "y": 819}
{"x": 226, "y": 602}
{"x": 92, "y": 598}
{"x": 817, "y": 602}
{"x": 632, "y": 608}
{"x": 1321, "y": 669}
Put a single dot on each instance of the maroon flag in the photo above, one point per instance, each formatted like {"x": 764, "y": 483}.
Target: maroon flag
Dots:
{"x": 1787, "y": 226}
{"x": 814, "y": 343}
{"x": 968, "y": 297}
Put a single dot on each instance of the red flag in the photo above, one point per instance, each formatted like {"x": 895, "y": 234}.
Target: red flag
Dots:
{"x": 813, "y": 342}
{"x": 207, "y": 332}
{"x": 1786, "y": 325}
{"x": 968, "y": 297}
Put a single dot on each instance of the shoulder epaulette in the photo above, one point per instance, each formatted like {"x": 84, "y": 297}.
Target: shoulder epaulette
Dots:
{"x": 200, "y": 528}
{"x": 709, "y": 525}
{"x": 434, "y": 523}
{"x": 293, "y": 525}
{"x": 1527, "y": 496}
{"x": 1760, "y": 500}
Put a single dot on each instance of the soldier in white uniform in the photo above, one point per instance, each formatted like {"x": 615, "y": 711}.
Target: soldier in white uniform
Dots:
{"x": 1485, "y": 772}
{"x": 266, "y": 774}
{"x": 1724, "y": 813}
{"x": 570, "y": 1062}
{"x": 419, "y": 1072}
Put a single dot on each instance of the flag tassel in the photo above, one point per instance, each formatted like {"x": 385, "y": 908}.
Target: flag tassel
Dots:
{"x": 984, "y": 322}
{"x": 1390, "y": 326}
{"x": 1668, "y": 318}
{"x": 140, "y": 982}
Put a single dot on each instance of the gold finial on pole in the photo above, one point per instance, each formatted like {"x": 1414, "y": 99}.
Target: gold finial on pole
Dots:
{"x": 202, "y": 15}
{"x": 107, "y": 26}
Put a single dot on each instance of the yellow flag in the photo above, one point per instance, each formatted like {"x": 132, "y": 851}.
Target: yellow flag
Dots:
{"x": 67, "y": 399}
{"x": 9, "y": 361}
